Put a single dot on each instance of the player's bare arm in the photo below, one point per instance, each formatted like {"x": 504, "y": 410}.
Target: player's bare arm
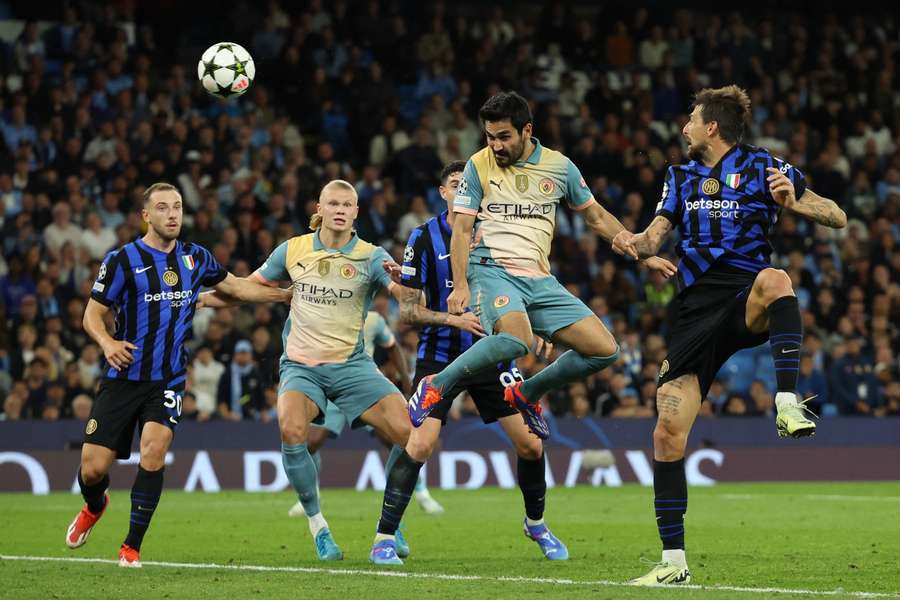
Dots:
{"x": 648, "y": 242}
{"x": 811, "y": 205}
{"x": 605, "y": 224}
{"x": 413, "y": 312}
{"x": 224, "y": 294}
{"x": 117, "y": 352}
{"x": 459, "y": 262}
{"x": 624, "y": 243}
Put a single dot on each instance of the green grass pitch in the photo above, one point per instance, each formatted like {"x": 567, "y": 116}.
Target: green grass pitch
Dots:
{"x": 781, "y": 540}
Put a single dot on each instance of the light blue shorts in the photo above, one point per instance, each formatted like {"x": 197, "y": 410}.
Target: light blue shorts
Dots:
{"x": 342, "y": 391}
{"x": 549, "y": 305}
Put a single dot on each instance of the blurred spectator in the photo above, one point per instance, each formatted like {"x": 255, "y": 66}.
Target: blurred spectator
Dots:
{"x": 206, "y": 373}
{"x": 383, "y": 96}
{"x": 81, "y": 407}
{"x": 853, "y": 384}
{"x": 240, "y": 389}
{"x": 812, "y": 384}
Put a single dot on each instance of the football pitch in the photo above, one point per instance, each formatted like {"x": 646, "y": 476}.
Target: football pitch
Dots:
{"x": 744, "y": 541}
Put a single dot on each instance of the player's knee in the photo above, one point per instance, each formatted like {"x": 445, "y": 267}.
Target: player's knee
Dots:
{"x": 509, "y": 347}
{"x": 293, "y": 432}
{"x": 529, "y": 448}
{"x": 420, "y": 448}
{"x": 773, "y": 284}
{"x": 153, "y": 455}
{"x": 606, "y": 356}
{"x": 92, "y": 471}
{"x": 668, "y": 442}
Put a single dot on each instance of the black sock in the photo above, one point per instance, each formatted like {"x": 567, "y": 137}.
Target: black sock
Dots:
{"x": 785, "y": 339}
{"x": 533, "y": 485}
{"x": 93, "y": 494}
{"x": 401, "y": 482}
{"x": 144, "y": 497}
{"x": 670, "y": 487}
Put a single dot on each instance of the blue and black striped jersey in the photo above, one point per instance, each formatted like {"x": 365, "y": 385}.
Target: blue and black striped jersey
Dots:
{"x": 154, "y": 294}
{"x": 726, "y": 212}
{"x": 426, "y": 266}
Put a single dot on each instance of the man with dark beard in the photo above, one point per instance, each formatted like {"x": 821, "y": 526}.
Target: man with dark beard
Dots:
{"x": 725, "y": 204}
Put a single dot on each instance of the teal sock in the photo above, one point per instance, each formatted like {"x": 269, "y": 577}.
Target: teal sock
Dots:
{"x": 569, "y": 367}
{"x": 420, "y": 484}
{"x": 486, "y": 352}
{"x": 396, "y": 451}
{"x": 317, "y": 460}
{"x": 301, "y": 472}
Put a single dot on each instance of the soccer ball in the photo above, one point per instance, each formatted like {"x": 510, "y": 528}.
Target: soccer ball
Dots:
{"x": 226, "y": 69}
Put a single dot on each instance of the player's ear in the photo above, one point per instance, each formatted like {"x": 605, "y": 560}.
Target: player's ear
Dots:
{"x": 526, "y": 130}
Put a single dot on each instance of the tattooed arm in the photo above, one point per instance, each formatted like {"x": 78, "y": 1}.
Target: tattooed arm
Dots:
{"x": 648, "y": 242}
{"x": 811, "y": 205}
{"x": 820, "y": 209}
{"x": 413, "y": 312}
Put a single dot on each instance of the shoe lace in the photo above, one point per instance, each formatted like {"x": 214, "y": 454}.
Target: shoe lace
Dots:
{"x": 654, "y": 563}
{"x": 802, "y": 405}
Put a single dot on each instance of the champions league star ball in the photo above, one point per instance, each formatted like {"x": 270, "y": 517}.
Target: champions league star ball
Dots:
{"x": 226, "y": 70}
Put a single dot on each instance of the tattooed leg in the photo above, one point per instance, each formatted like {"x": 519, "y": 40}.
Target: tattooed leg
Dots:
{"x": 677, "y": 402}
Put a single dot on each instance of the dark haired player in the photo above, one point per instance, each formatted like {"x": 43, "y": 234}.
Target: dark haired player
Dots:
{"x": 724, "y": 204}
{"x": 153, "y": 283}
{"x": 426, "y": 282}
{"x": 512, "y": 188}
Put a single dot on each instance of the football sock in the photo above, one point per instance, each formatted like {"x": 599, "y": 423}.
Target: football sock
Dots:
{"x": 486, "y": 352}
{"x": 675, "y": 557}
{"x": 785, "y": 339}
{"x": 317, "y": 523}
{"x": 145, "y": 495}
{"x": 396, "y": 451}
{"x": 93, "y": 493}
{"x": 532, "y": 482}
{"x": 317, "y": 460}
{"x": 300, "y": 469}
{"x": 421, "y": 488}
{"x": 571, "y": 366}
{"x": 670, "y": 488}
{"x": 401, "y": 481}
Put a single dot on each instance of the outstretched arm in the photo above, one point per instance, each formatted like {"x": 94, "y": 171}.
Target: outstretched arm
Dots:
{"x": 648, "y": 242}
{"x": 811, "y": 205}
{"x": 606, "y": 225}
{"x": 237, "y": 290}
{"x": 413, "y": 312}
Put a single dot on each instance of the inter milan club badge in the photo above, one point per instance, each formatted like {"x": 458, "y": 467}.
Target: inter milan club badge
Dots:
{"x": 711, "y": 187}
{"x": 171, "y": 278}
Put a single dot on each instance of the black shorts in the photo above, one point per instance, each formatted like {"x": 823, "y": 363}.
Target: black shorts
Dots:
{"x": 486, "y": 389}
{"x": 708, "y": 325}
{"x": 121, "y": 404}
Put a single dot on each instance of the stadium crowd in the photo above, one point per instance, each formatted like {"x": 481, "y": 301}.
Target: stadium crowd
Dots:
{"x": 94, "y": 107}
